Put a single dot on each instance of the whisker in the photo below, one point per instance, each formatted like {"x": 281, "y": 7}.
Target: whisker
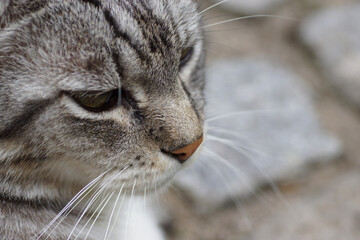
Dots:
{"x": 224, "y": 131}
{"x": 90, "y": 201}
{"x": 224, "y": 47}
{"x": 94, "y": 198}
{"x": 230, "y": 165}
{"x": 118, "y": 213}
{"x": 236, "y": 201}
{"x": 211, "y": 7}
{"x": 207, "y": 19}
{"x": 248, "y": 17}
{"x": 238, "y": 172}
{"x": 73, "y": 207}
{"x": 145, "y": 197}
{"x": 129, "y": 210}
{"x": 206, "y": 31}
{"x": 176, "y": 190}
{"x": 239, "y": 113}
{"x": 268, "y": 179}
{"x": 112, "y": 212}
{"x": 156, "y": 192}
{"x": 91, "y": 217}
{"x": 71, "y": 202}
{"x": 97, "y": 216}
{"x": 243, "y": 147}
{"x": 223, "y": 177}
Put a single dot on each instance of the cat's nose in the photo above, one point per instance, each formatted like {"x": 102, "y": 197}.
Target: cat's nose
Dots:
{"x": 184, "y": 153}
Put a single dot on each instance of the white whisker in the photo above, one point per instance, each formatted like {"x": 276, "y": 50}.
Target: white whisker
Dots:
{"x": 236, "y": 201}
{"x": 97, "y": 216}
{"x": 245, "y": 112}
{"x": 112, "y": 212}
{"x": 211, "y": 7}
{"x": 176, "y": 190}
{"x": 71, "y": 202}
{"x": 248, "y": 17}
{"x": 118, "y": 213}
{"x": 244, "y": 148}
{"x": 88, "y": 203}
{"x": 145, "y": 197}
{"x": 223, "y": 178}
{"x": 268, "y": 179}
{"x": 156, "y": 193}
{"x": 91, "y": 217}
{"x": 94, "y": 198}
{"x": 238, "y": 172}
{"x": 129, "y": 209}
{"x": 230, "y": 165}
{"x": 73, "y": 207}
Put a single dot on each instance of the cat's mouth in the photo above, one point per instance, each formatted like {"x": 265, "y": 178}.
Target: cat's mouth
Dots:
{"x": 161, "y": 173}
{"x": 152, "y": 171}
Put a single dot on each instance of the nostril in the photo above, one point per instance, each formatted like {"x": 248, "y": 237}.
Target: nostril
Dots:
{"x": 184, "y": 153}
{"x": 180, "y": 156}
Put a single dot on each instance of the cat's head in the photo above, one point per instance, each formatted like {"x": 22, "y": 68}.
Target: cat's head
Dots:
{"x": 89, "y": 86}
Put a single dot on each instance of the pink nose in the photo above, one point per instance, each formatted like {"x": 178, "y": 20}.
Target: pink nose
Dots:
{"x": 183, "y": 154}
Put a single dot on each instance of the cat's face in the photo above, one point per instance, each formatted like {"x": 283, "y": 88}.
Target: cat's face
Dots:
{"x": 90, "y": 86}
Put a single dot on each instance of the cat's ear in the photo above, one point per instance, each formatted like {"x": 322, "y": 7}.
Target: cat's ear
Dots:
{"x": 3, "y": 6}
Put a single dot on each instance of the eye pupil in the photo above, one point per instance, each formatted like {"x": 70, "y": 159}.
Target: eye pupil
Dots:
{"x": 185, "y": 56}
{"x": 97, "y": 102}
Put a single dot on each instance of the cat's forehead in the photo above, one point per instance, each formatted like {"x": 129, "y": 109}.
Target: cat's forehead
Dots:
{"x": 144, "y": 19}
{"x": 143, "y": 34}
{"x": 91, "y": 44}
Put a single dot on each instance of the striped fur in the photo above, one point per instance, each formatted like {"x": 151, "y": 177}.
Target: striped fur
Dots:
{"x": 50, "y": 147}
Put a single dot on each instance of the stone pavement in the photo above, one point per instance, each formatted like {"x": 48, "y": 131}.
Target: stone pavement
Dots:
{"x": 295, "y": 84}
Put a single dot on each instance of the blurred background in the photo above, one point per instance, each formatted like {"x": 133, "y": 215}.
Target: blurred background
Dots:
{"x": 282, "y": 156}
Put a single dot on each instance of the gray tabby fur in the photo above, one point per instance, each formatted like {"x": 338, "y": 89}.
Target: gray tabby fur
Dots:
{"x": 50, "y": 147}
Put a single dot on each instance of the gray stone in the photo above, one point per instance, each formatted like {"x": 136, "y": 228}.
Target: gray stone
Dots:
{"x": 334, "y": 36}
{"x": 264, "y": 129}
{"x": 328, "y": 211}
{"x": 250, "y": 6}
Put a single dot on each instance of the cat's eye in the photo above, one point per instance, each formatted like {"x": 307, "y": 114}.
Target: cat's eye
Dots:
{"x": 96, "y": 102}
{"x": 185, "y": 56}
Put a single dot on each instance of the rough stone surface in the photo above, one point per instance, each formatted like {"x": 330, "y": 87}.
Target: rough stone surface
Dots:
{"x": 251, "y": 6}
{"x": 334, "y": 36}
{"x": 263, "y": 129}
{"x": 324, "y": 213}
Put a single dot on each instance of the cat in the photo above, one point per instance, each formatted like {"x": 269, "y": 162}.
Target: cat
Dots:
{"x": 100, "y": 101}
